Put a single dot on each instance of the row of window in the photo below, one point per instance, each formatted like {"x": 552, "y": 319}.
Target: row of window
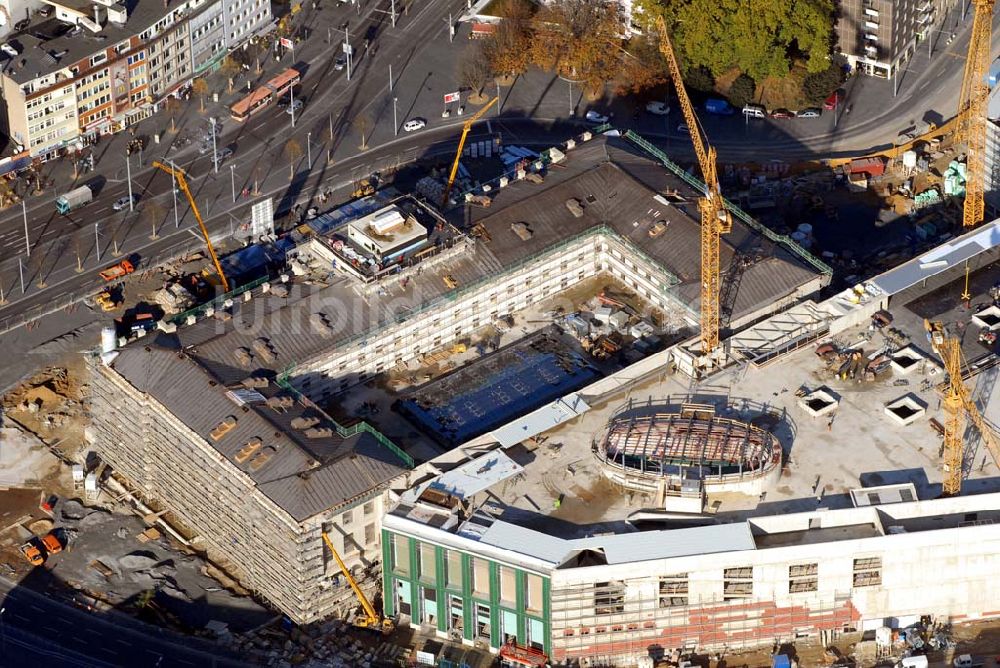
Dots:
{"x": 737, "y": 583}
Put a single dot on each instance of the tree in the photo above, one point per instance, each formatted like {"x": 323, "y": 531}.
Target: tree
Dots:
{"x": 200, "y": 88}
{"x": 700, "y": 78}
{"x": 293, "y": 151}
{"x": 742, "y": 91}
{"x": 230, "y": 67}
{"x": 581, "y": 41}
{"x": 819, "y": 85}
{"x": 172, "y": 104}
{"x": 474, "y": 71}
{"x": 643, "y": 66}
{"x": 154, "y": 213}
{"x": 508, "y": 50}
{"x": 363, "y": 123}
{"x": 761, "y": 38}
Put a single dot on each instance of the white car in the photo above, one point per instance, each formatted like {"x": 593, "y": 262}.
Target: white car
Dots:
{"x": 294, "y": 107}
{"x": 414, "y": 124}
{"x": 658, "y": 108}
{"x": 684, "y": 129}
{"x": 597, "y": 117}
{"x": 964, "y": 661}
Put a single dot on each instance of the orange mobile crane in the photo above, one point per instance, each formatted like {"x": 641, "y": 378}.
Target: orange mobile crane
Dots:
{"x": 972, "y": 112}
{"x": 715, "y": 218}
{"x": 178, "y": 175}
{"x": 958, "y": 405}
{"x": 371, "y": 620}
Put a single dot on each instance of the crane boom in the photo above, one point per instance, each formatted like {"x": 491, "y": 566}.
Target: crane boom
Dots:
{"x": 461, "y": 144}
{"x": 715, "y": 219}
{"x": 972, "y": 112}
{"x": 371, "y": 617}
{"x": 958, "y": 406}
{"x": 178, "y": 174}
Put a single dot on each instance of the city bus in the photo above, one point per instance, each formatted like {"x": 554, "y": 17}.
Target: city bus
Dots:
{"x": 262, "y": 96}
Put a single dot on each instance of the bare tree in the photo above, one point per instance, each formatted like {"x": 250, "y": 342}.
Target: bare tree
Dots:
{"x": 293, "y": 151}
{"x": 153, "y": 212}
{"x": 363, "y": 123}
{"x": 200, "y": 88}
{"x": 474, "y": 71}
{"x": 172, "y": 105}
{"x": 230, "y": 67}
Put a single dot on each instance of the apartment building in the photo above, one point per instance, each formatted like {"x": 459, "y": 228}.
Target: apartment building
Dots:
{"x": 879, "y": 36}
{"x": 92, "y": 70}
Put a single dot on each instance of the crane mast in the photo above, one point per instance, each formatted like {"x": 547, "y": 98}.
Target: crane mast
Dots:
{"x": 972, "y": 112}
{"x": 461, "y": 144}
{"x": 715, "y": 219}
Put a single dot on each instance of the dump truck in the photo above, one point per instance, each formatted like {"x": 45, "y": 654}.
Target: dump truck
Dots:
{"x": 51, "y": 543}
{"x": 120, "y": 270}
{"x": 74, "y": 199}
{"x": 32, "y": 554}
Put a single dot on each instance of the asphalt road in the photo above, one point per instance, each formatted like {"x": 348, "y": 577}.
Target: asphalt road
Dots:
{"x": 36, "y": 629}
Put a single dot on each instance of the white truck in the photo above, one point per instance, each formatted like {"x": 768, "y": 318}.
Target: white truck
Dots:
{"x": 74, "y": 199}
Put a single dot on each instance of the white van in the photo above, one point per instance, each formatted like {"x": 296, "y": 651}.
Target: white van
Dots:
{"x": 755, "y": 111}
{"x": 919, "y": 661}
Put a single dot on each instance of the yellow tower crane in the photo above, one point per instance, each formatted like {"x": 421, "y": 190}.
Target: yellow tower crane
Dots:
{"x": 972, "y": 112}
{"x": 178, "y": 175}
{"x": 958, "y": 405}
{"x": 715, "y": 218}
{"x": 461, "y": 144}
{"x": 371, "y": 619}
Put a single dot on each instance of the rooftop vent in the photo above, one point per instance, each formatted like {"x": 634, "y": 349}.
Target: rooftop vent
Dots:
{"x": 223, "y": 428}
{"x": 281, "y": 402}
{"x": 264, "y": 348}
{"x": 117, "y": 14}
{"x": 261, "y": 459}
{"x": 303, "y": 422}
{"x": 318, "y": 432}
{"x": 321, "y": 324}
{"x": 255, "y": 382}
{"x": 248, "y": 450}
{"x": 243, "y": 357}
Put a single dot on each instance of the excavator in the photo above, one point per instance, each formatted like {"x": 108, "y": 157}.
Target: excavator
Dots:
{"x": 371, "y": 620}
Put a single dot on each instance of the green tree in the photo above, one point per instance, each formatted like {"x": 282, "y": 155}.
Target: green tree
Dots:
{"x": 819, "y": 85}
{"x": 742, "y": 90}
{"x": 761, "y": 37}
{"x": 700, "y": 78}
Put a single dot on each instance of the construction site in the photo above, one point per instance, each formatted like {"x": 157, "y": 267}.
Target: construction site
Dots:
{"x": 584, "y": 411}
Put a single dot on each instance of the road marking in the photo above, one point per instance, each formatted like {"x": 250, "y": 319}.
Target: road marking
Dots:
{"x": 120, "y": 641}
{"x": 35, "y": 607}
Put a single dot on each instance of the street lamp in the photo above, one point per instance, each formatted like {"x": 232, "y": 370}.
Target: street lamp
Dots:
{"x": 173, "y": 190}
{"x": 232, "y": 180}
{"x": 309, "y": 153}
{"x": 128, "y": 176}
{"x": 3, "y": 634}
{"x": 395, "y": 123}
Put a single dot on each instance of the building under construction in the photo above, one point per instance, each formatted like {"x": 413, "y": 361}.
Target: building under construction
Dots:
{"x": 213, "y": 419}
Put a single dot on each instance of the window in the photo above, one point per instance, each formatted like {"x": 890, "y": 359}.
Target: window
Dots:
{"x": 370, "y": 534}
{"x": 428, "y": 598}
{"x": 427, "y": 570}
{"x": 737, "y": 583}
{"x": 480, "y": 578}
{"x": 400, "y": 554}
{"x": 369, "y": 508}
{"x": 347, "y": 518}
{"x": 868, "y": 572}
{"x": 609, "y": 598}
{"x": 533, "y": 593}
{"x": 802, "y": 578}
{"x": 508, "y": 585}
{"x": 673, "y": 590}
{"x": 453, "y": 569}
{"x": 536, "y": 633}
{"x": 98, "y": 58}
{"x": 483, "y": 621}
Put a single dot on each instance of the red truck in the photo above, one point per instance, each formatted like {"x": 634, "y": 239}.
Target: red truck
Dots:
{"x": 120, "y": 270}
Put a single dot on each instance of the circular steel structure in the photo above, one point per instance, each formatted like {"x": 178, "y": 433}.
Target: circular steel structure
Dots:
{"x": 639, "y": 450}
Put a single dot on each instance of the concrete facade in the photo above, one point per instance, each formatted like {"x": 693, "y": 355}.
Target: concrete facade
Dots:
{"x": 877, "y": 36}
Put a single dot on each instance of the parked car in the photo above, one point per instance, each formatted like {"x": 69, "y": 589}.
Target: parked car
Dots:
{"x": 782, "y": 113}
{"x": 812, "y": 112}
{"x": 414, "y": 124}
{"x": 122, "y": 202}
{"x": 684, "y": 129}
{"x": 340, "y": 63}
{"x": 9, "y": 50}
{"x": 965, "y": 661}
{"x": 754, "y": 111}
{"x": 714, "y": 105}
{"x": 223, "y": 153}
{"x": 294, "y": 107}
{"x": 658, "y": 108}
{"x": 835, "y": 98}
{"x": 597, "y": 117}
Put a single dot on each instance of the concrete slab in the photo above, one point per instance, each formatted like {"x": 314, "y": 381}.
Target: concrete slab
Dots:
{"x": 906, "y": 410}
{"x": 819, "y": 403}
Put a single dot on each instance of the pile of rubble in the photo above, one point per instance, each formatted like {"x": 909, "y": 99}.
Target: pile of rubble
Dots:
{"x": 330, "y": 644}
